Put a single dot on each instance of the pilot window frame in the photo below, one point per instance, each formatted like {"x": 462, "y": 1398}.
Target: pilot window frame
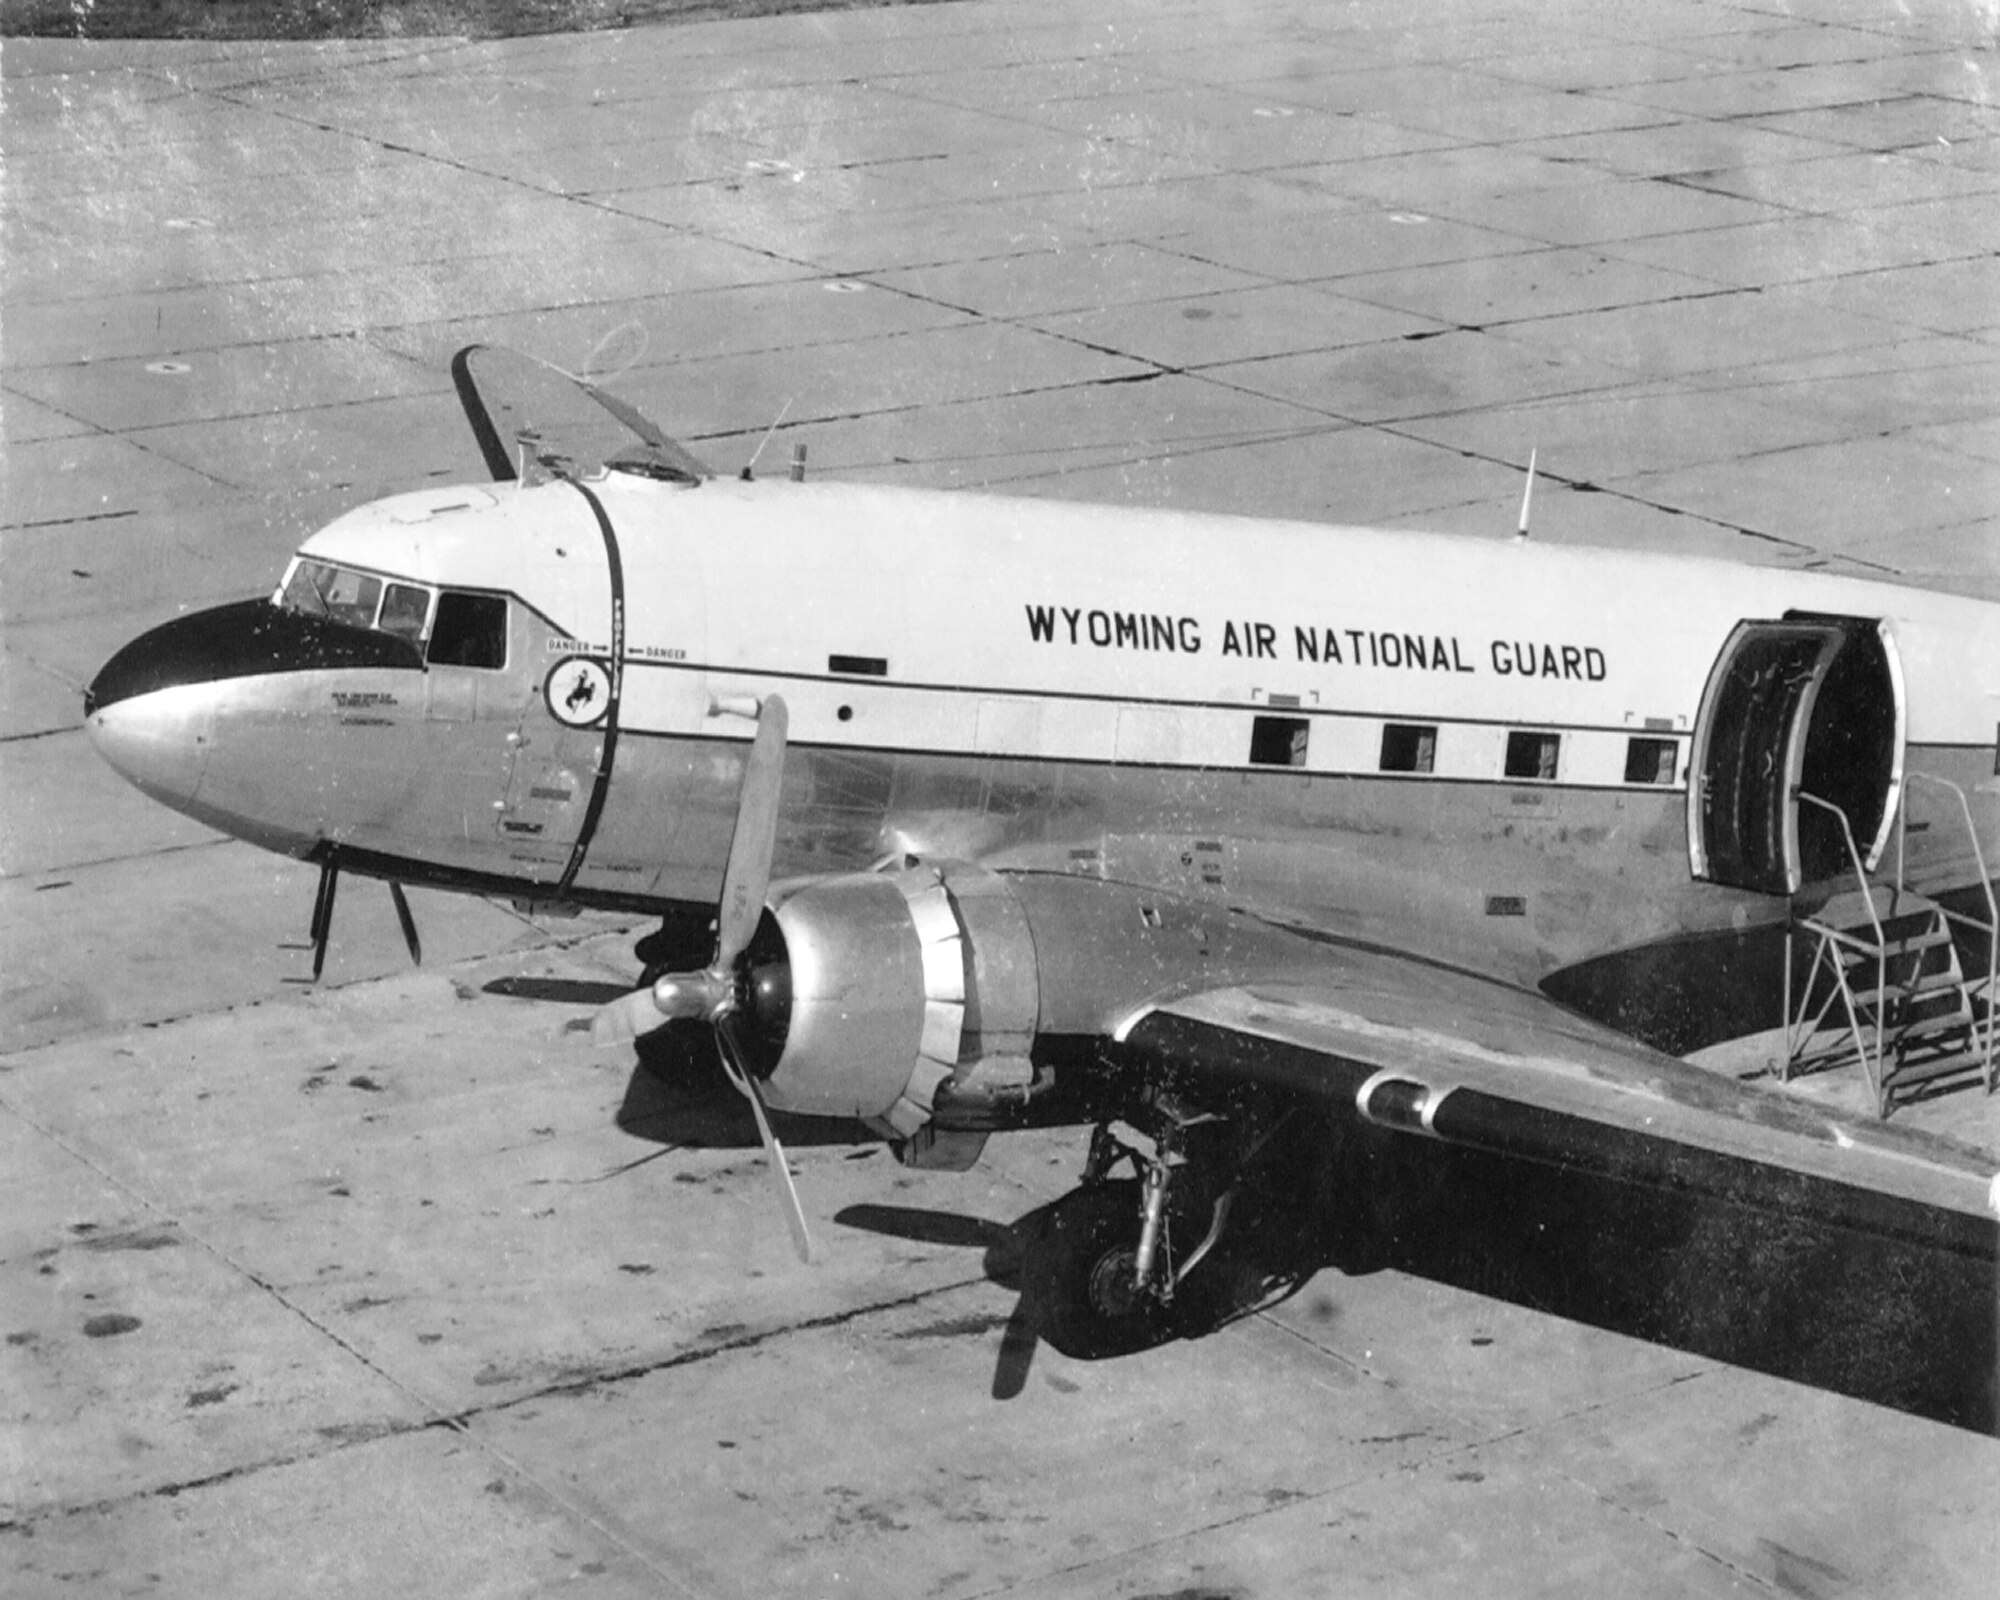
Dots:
{"x": 326, "y": 581}
{"x": 422, "y": 618}
{"x": 1534, "y": 755}
{"x": 1408, "y": 747}
{"x": 1651, "y": 761}
{"x": 479, "y": 641}
{"x": 1279, "y": 741}
{"x": 289, "y": 596}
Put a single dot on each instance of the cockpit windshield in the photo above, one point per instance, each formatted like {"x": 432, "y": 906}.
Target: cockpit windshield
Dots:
{"x": 359, "y": 599}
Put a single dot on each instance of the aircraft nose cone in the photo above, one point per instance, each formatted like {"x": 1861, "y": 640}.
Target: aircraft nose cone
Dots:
{"x": 150, "y": 709}
{"x": 157, "y": 708}
{"x": 156, "y": 740}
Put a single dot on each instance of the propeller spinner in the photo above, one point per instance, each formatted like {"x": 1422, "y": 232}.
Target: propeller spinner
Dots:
{"x": 715, "y": 994}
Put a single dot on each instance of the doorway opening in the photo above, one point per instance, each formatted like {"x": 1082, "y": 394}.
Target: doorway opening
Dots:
{"x": 1807, "y": 703}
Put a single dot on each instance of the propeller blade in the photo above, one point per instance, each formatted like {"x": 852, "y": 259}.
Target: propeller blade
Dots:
{"x": 690, "y": 996}
{"x": 407, "y": 922}
{"x": 625, "y": 1019}
{"x": 747, "y": 878}
{"x": 774, "y": 1153}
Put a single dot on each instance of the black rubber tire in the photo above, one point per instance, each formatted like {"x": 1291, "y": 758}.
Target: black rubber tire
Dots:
{"x": 1077, "y": 1276}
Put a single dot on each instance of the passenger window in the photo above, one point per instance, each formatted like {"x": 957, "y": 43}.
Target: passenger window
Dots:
{"x": 1278, "y": 742}
{"x": 405, "y": 610}
{"x": 1652, "y": 760}
{"x": 1408, "y": 747}
{"x": 470, "y": 631}
{"x": 1533, "y": 755}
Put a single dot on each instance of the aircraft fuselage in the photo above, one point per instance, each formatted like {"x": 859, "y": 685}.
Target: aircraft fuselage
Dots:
{"x": 544, "y": 692}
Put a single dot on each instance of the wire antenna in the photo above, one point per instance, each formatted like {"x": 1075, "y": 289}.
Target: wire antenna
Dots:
{"x": 774, "y": 427}
{"x": 1527, "y": 498}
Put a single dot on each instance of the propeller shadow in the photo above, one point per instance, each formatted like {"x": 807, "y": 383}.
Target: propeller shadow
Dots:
{"x": 1037, "y": 1256}
{"x": 563, "y": 991}
{"x": 1003, "y": 1247}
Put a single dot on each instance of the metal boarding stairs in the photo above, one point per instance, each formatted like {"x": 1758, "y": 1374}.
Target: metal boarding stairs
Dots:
{"x": 1885, "y": 987}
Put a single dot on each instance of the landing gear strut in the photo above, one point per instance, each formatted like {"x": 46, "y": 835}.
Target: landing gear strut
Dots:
{"x": 1116, "y": 1270}
{"x": 1113, "y": 1263}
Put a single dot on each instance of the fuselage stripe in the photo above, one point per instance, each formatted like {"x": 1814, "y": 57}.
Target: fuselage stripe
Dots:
{"x": 600, "y": 789}
{"x": 1164, "y": 702}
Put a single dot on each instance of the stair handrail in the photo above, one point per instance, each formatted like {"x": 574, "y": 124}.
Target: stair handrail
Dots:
{"x": 1985, "y": 887}
{"x": 1881, "y": 949}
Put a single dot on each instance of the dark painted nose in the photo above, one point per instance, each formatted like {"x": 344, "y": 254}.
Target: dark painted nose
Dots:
{"x": 244, "y": 640}
{"x": 153, "y": 709}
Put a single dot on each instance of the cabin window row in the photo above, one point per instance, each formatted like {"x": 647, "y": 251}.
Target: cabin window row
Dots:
{"x": 1533, "y": 755}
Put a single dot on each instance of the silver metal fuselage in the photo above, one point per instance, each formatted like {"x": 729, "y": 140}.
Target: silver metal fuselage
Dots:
{"x": 1202, "y": 705}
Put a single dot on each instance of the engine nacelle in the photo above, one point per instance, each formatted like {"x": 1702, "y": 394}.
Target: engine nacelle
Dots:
{"x": 899, "y": 982}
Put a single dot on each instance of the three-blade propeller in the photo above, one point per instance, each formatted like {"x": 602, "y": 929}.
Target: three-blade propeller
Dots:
{"x": 715, "y": 994}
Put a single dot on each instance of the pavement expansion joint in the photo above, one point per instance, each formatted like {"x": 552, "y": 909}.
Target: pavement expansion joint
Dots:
{"x": 460, "y": 1422}
{"x": 158, "y": 852}
{"x": 43, "y": 733}
{"x": 76, "y": 521}
{"x": 580, "y": 1383}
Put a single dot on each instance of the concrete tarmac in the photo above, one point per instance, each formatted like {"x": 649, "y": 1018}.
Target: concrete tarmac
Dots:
{"x": 391, "y": 1285}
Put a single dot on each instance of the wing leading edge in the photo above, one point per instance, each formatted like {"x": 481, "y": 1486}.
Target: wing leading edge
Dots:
{"x": 1439, "y": 1055}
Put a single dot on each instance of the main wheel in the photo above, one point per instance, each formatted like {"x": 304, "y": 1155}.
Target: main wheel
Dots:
{"x": 1078, "y": 1273}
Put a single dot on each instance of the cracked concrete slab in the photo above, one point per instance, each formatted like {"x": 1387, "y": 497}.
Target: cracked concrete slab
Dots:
{"x": 428, "y": 1296}
{"x": 120, "y": 397}
{"x": 1207, "y": 329}
{"x": 81, "y": 478}
{"x": 413, "y": 1503}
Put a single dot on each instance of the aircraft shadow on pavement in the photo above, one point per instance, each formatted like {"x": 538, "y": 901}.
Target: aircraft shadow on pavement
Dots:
{"x": 679, "y": 1095}
{"x": 1039, "y": 1257}
{"x": 1902, "y": 1324}
{"x": 563, "y": 991}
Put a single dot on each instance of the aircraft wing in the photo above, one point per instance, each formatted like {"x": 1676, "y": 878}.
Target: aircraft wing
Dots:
{"x": 1443, "y": 1055}
{"x": 573, "y": 426}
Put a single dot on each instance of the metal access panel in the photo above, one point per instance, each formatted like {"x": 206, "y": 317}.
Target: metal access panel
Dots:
{"x": 1750, "y": 750}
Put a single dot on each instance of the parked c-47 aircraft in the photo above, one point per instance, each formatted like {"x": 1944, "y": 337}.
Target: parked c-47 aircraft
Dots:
{"x": 1286, "y": 856}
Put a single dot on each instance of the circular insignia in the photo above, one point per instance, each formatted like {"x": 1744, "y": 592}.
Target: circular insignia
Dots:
{"x": 578, "y": 691}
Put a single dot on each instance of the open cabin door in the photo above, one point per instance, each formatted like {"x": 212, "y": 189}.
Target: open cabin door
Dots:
{"x": 1807, "y": 703}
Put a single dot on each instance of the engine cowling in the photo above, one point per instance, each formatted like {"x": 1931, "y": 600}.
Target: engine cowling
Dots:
{"x": 879, "y": 988}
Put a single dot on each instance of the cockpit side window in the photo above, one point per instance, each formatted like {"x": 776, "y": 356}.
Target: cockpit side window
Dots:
{"x": 405, "y": 610}
{"x": 357, "y": 599}
{"x": 470, "y": 630}
{"x": 340, "y": 595}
